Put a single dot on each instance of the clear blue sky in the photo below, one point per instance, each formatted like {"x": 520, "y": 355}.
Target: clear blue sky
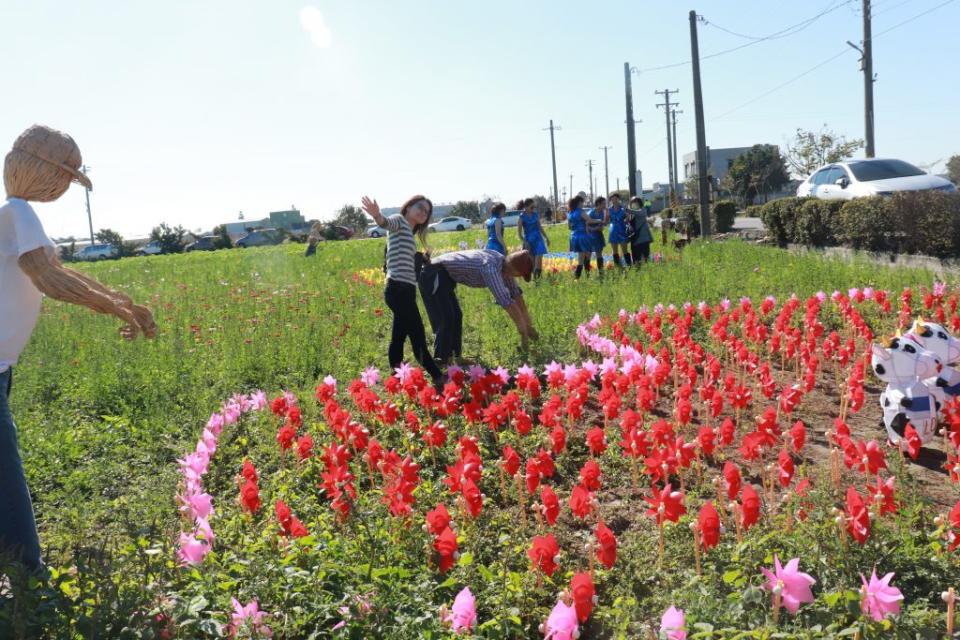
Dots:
{"x": 189, "y": 112}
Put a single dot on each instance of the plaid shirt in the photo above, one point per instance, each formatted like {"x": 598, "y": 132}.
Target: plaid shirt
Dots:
{"x": 481, "y": 268}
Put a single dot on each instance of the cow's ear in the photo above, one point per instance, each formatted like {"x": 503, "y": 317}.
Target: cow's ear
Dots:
{"x": 879, "y": 352}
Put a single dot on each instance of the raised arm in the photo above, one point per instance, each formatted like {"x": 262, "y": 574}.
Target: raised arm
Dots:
{"x": 53, "y": 279}
{"x": 373, "y": 210}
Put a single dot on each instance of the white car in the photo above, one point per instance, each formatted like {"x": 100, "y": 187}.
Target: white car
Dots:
{"x": 97, "y": 252}
{"x": 511, "y": 218}
{"x": 451, "y": 223}
{"x": 869, "y": 177}
{"x": 375, "y": 231}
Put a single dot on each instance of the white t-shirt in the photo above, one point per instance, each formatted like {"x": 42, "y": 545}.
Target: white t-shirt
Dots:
{"x": 20, "y": 232}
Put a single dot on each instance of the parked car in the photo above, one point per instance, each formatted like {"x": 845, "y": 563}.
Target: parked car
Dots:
{"x": 451, "y": 223}
{"x": 337, "y": 232}
{"x": 205, "y": 243}
{"x": 375, "y": 231}
{"x": 869, "y": 177}
{"x": 260, "y": 238}
{"x": 152, "y": 248}
{"x": 511, "y": 218}
{"x": 98, "y": 252}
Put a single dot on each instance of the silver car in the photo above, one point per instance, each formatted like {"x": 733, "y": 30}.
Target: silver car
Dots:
{"x": 869, "y": 177}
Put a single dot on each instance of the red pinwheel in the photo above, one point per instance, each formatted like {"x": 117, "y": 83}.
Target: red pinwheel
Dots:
{"x": 785, "y": 464}
{"x": 472, "y": 497}
{"x": 708, "y": 522}
{"x": 583, "y": 592}
{"x": 445, "y": 545}
{"x": 606, "y": 545}
{"x": 543, "y": 553}
{"x": 665, "y": 504}
{"x": 750, "y": 507}
{"x": 581, "y": 502}
{"x": 883, "y": 493}
{"x": 438, "y": 519}
{"x": 798, "y": 436}
{"x": 596, "y": 441}
{"x": 858, "y": 519}
{"x": 912, "y": 439}
{"x": 550, "y": 504}
{"x": 731, "y": 476}
{"x": 511, "y": 461}
{"x": 590, "y": 475}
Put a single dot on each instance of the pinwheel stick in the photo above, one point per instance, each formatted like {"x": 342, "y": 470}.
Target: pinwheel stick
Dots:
{"x": 523, "y": 508}
{"x": 696, "y": 546}
{"x": 951, "y": 598}
{"x": 777, "y": 600}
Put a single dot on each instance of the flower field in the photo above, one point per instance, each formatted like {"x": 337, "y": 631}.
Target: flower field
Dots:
{"x": 692, "y": 449}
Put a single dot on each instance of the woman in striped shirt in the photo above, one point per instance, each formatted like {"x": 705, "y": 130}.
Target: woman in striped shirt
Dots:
{"x": 401, "y": 290}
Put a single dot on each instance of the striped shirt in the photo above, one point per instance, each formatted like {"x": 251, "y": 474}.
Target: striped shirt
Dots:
{"x": 401, "y": 248}
{"x": 481, "y": 268}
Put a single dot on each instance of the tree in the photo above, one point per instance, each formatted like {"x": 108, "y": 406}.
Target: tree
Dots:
{"x": 953, "y": 169}
{"x": 68, "y": 251}
{"x": 469, "y": 209}
{"x": 352, "y": 217}
{"x": 223, "y": 240}
{"x": 811, "y": 150}
{"x": 170, "y": 238}
{"x": 759, "y": 171}
{"x": 109, "y": 236}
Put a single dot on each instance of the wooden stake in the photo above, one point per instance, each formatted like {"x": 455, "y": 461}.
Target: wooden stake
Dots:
{"x": 520, "y": 500}
{"x": 696, "y": 545}
{"x": 950, "y": 597}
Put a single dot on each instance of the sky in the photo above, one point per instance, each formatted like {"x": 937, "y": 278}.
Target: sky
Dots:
{"x": 191, "y": 112}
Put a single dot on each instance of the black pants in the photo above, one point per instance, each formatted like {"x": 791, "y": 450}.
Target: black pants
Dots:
{"x": 438, "y": 291}
{"x": 640, "y": 251}
{"x": 401, "y": 297}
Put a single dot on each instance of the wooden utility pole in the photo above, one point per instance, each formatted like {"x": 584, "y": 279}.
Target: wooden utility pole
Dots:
{"x": 701, "y": 131}
{"x": 666, "y": 107}
{"x": 553, "y": 159}
{"x": 606, "y": 170}
{"x": 631, "y": 137}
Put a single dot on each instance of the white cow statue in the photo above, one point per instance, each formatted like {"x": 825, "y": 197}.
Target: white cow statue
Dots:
{"x": 904, "y": 364}
{"x": 934, "y": 338}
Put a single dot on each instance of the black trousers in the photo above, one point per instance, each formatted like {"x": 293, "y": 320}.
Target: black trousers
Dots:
{"x": 438, "y": 291}
{"x": 401, "y": 297}
{"x": 640, "y": 251}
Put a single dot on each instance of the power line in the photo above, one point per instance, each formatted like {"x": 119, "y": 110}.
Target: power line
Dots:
{"x": 919, "y": 15}
{"x": 788, "y": 31}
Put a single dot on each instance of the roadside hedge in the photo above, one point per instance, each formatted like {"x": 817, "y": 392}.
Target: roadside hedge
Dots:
{"x": 919, "y": 222}
{"x": 722, "y": 215}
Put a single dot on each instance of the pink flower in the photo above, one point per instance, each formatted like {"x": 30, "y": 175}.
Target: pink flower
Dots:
{"x": 403, "y": 372}
{"x": 205, "y": 531}
{"x": 879, "y": 598}
{"x": 190, "y": 550}
{"x": 463, "y": 615}
{"x": 476, "y": 372}
{"x": 258, "y": 400}
{"x": 590, "y": 367}
{"x": 526, "y": 370}
{"x": 502, "y": 373}
{"x": 673, "y": 624}
{"x": 792, "y": 584}
{"x": 561, "y": 624}
{"x": 215, "y": 423}
{"x": 331, "y": 381}
{"x": 231, "y": 413}
{"x": 249, "y": 617}
{"x": 370, "y": 376}
{"x": 197, "y": 505}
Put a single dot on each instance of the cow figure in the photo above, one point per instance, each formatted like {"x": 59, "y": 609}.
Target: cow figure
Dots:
{"x": 903, "y": 364}
{"x": 934, "y": 338}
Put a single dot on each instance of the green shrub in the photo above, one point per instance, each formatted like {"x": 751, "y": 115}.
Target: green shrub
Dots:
{"x": 688, "y": 220}
{"x": 870, "y": 224}
{"x": 753, "y": 211}
{"x": 929, "y": 222}
{"x": 772, "y": 219}
{"x": 724, "y": 213}
{"x": 817, "y": 222}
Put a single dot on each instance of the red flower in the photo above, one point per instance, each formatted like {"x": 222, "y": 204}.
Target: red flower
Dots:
{"x": 581, "y": 586}
{"x": 249, "y": 471}
{"x": 665, "y": 505}
{"x": 558, "y": 439}
{"x": 606, "y": 545}
{"x": 597, "y": 441}
{"x": 798, "y": 436}
{"x": 581, "y": 502}
{"x": 250, "y": 496}
{"x": 590, "y": 475}
{"x": 532, "y": 475}
{"x": 912, "y": 439}
{"x": 438, "y": 519}
{"x": 445, "y": 544}
{"x": 750, "y": 507}
{"x": 435, "y": 435}
{"x": 297, "y": 529}
{"x": 284, "y": 516}
{"x": 728, "y": 431}
{"x": 858, "y": 519}
{"x": 953, "y": 537}
{"x": 551, "y": 504}
{"x": 305, "y": 447}
{"x": 731, "y": 476}
{"x": 293, "y": 417}
{"x": 785, "y": 462}
{"x": 871, "y": 457}
{"x": 285, "y": 436}
{"x": 543, "y": 553}
{"x": 473, "y": 497}
{"x": 705, "y": 438}
{"x": 709, "y": 523}
{"x": 511, "y": 461}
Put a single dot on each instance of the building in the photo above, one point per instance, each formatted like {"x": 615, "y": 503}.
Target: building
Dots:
{"x": 719, "y": 162}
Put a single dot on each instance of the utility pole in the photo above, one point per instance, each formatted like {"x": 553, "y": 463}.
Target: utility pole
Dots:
{"x": 590, "y": 169}
{"x": 866, "y": 65}
{"x": 84, "y": 169}
{"x": 676, "y": 149}
{"x": 618, "y": 184}
{"x": 701, "y": 131}
{"x": 553, "y": 159}
{"x": 606, "y": 171}
{"x": 666, "y": 105}
{"x": 631, "y": 138}
{"x": 571, "y": 185}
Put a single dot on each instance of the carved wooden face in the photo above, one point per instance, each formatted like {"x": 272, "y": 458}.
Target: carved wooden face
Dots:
{"x": 903, "y": 360}
{"x": 934, "y": 337}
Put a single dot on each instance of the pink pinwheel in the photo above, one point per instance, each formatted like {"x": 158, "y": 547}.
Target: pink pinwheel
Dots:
{"x": 197, "y": 505}
{"x": 879, "y": 598}
{"x": 248, "y": 617}
{"x": 191, "y": 550}
{"x": 673, "y": 623}
{"x": 792, "y": 584}
{"x": 258, "y": 400}
{"x": 463, "y": 615}
{"x": 561, "y": 624}
{"x": 370, "y": 376}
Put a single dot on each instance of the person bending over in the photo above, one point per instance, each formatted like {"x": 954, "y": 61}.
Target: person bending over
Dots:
{"x": 474, "y": 268}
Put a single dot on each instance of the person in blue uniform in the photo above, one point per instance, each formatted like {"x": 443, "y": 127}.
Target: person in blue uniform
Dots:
{"x": 639, "y": 234}
{"x": 494, "y": 226}
{"x": 580, "y": 242}
{"x": 531, "y": 234}
{"x": 618, "y": 231}
{"x": 598, "y": 220}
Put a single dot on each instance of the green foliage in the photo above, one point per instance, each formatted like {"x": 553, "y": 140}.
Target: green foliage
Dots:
{"x": 724, "y": 213}
{"x": 171, "y": 239}
{"x": 223, "y": 240}
{"x": 109, "y": 236}
{"x": 759, "y": 171}
{"x": 810, "y": 150}
{"x": 817, "y": 222}
{"x": 753, "y": 211}
{"x": 688, "y": 220}
{"x": 352, "y": 217}
{"x": 928, "y": 222}
{"x": 953, "y": 169}
{"x": 469, "y": 209}
{"x": 68, "y": 251}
